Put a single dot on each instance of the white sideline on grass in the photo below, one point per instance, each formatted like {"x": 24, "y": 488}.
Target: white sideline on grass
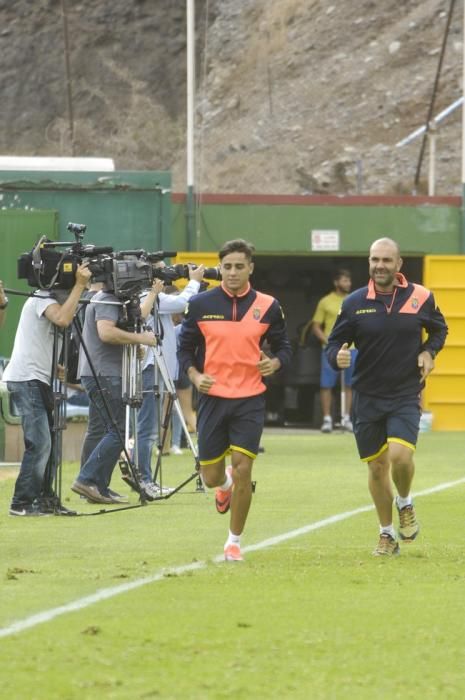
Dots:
{"x": 105, "y": 593}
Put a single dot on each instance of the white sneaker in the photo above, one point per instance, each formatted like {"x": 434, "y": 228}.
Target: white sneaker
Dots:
{"x": 346, "y": 424}
{"x": 164, "y": 490}
{"x": 151, "y": 492}
{"x": 175, "y": 450}
{"x": 327, "y": 426}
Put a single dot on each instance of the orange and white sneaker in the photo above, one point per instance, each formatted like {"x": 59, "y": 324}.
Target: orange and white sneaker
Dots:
{"x": 223, "y": 498}
{"x": 232, "y": 552}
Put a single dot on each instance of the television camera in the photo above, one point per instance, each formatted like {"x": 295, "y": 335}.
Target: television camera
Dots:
{"x": 125, "y": 273}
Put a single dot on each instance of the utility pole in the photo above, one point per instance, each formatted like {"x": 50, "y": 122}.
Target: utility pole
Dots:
{"x": 190, "y": 196}
{"x": 68, "y": 77}
{"x": 462, "y": 246}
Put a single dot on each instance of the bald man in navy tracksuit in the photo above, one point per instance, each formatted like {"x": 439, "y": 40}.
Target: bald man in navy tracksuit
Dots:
{"x": 385, "y": 321}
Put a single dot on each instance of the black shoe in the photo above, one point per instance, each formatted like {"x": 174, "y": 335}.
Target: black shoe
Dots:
{"x": 28, "y": 510}
{"x": 60, "y": 509}
{"x": 51, "y": 505}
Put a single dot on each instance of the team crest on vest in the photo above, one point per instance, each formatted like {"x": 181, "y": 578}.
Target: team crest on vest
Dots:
{"x": 256, "y": 314}
{"x": 415, "y": 303}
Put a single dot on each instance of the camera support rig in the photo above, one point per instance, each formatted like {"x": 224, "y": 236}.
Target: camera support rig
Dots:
{"x": 173, "y": 403}
{"x": 133, "y": 397}
{"x": 126, "y": 273}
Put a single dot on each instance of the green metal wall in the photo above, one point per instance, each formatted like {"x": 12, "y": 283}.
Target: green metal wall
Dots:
{"x": 19, "y": 230}
{"x": 122, "y": 209}
{"x": 126, "y": 210}
{"x": 284, "y": 224}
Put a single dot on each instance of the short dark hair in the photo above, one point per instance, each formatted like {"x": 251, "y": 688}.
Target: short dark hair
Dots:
{"x": 238, "y": 245}
{"x": 341, "y": 272}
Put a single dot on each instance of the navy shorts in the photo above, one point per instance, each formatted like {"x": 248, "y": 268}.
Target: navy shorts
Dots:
{"x": 329, "y": 377}
{"x": 229, "y": 424}
{"x": 379, "y": 421}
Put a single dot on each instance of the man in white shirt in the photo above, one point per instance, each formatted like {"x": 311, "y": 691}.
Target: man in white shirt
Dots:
{"x": 28, "y": 376}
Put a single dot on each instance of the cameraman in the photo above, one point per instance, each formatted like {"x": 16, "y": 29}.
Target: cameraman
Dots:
{"x": 29, "y": 377}
{"x": 103, "y": 343}
{"x": 148, "y": 418}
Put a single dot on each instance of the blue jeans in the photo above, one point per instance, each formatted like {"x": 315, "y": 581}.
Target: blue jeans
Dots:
{"x": 147, "y": 423}
{"x": 96, "y": 424}
{"x": 29, "y": 403}
{"x": 98, "y": 467}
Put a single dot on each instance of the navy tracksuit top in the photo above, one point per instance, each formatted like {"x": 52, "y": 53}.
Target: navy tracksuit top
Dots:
{"x": 387, "y": 331}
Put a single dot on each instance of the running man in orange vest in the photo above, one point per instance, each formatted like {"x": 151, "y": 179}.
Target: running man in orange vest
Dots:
{"x": 220, "y": 348}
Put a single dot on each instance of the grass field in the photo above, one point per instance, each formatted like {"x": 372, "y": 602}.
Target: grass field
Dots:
{"x": 312, "y": 615}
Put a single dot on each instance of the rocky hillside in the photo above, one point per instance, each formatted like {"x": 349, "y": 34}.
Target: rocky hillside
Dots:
{"x": 293, "y": 96}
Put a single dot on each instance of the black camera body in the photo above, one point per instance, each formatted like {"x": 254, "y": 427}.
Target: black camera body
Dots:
{"x": 125, "y": 273}
{"x": 54, "y": 270}
{"x": 46, "y": 267}
{"x": 130, "y": 274}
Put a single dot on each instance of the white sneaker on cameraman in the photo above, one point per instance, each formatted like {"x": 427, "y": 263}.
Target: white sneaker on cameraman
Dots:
{"x": 327, "y": 426}
{"x": 151, "y": 491}
{"x": 164, "y": 490}
{"x": 175, "y": 450}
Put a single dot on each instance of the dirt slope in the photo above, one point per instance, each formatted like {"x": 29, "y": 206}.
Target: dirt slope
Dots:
{"x": 293, "y": 96}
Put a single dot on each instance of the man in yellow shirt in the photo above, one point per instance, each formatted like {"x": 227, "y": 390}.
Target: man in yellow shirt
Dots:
{"x": 323, "y": 321}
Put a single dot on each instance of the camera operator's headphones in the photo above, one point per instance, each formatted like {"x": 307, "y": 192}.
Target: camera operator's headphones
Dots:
{"x": 46, "y": 262}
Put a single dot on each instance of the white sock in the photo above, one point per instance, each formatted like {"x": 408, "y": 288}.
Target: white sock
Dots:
{"x": 402, "y": 502}
{"x": 233, "y": 539}
{"x": 228, "y": 483}
{"x": 387, "y": 530}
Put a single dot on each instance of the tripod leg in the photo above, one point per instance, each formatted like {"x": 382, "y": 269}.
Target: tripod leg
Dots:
{"x": 132, "y": 397}
{"x": 174, "y": 403}
{"x": 161, "y": 368}
{"x": 52, "y": 484}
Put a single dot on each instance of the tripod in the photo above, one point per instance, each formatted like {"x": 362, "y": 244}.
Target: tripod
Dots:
{"x": 160, "y": 400}
{"x": 172, "y": 403}
{"x": 55, "y": 401}
{"x": 150, "y": 488}
{"x": 132, "y": 397}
